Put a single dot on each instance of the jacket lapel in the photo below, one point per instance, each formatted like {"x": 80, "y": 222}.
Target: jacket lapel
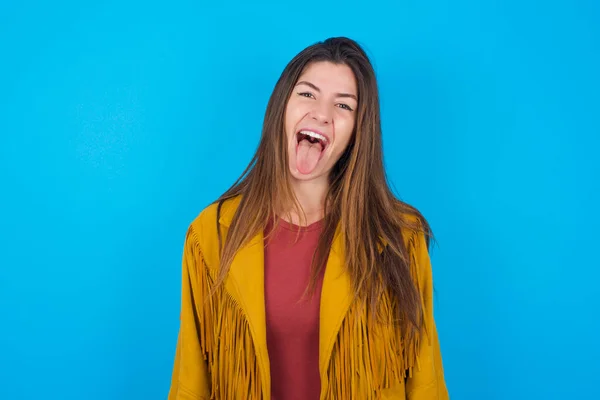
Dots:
{"x": 335, "y": 301}
{"x": 245, "y": 284}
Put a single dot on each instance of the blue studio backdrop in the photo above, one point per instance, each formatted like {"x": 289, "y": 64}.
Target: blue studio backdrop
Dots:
{"x": 120, "y": 121}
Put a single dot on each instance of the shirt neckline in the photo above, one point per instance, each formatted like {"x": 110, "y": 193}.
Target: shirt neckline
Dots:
{"x": 294, "y": 228}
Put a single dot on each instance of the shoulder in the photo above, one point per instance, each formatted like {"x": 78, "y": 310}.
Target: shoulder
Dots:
{"x": 416, "y": 233}
{"x": 217, "y": 212}
{"x": 203, "y": 231}
{"x": 415, "y": 229}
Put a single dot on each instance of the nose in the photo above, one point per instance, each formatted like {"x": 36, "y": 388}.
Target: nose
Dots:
{"x": 322, "y": 113}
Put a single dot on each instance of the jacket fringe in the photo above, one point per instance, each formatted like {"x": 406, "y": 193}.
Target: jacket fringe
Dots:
{"x": 226, "y": 341}
{"x": 368, "y": 356}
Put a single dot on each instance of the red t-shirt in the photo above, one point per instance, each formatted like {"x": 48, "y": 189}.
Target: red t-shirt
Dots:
{"x": 292, "y": 321}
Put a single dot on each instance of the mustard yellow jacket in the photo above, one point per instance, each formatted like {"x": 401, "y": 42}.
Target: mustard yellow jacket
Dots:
{"x": 222, "y": 348}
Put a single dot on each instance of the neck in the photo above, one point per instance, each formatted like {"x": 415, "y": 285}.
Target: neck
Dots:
{"x": 311, "y": 196}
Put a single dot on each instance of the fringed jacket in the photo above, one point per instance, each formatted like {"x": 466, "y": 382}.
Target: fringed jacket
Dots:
{"x": 222, "y": 347}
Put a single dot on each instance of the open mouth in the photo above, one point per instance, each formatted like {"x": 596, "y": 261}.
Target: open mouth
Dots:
{"x": 312, "y": 138}
{"x": 310, "y": 148}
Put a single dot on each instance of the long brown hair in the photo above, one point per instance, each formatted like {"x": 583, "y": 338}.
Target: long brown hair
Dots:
{"x": 359, "y": 201}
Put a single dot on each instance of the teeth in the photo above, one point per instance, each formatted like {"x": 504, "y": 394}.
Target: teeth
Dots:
{"x": 314, "y": 135}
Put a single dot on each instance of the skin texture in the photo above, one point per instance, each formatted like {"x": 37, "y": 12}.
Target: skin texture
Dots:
{"x": 325, "y": 100}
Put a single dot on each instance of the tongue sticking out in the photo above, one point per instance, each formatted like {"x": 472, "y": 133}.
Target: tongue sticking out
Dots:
{"x": 307, "y": 156}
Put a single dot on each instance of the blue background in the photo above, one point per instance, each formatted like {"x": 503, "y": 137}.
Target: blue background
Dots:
{"x": 120, "y": 121}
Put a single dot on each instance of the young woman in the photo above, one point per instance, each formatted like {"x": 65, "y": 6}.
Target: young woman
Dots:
{"x": 308, "y": 279}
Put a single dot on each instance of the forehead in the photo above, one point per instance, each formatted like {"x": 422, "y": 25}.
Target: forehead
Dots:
{"x": 330, "y": 77}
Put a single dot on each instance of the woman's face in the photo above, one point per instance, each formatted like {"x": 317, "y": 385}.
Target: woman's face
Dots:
{"x": 319, "y": 119}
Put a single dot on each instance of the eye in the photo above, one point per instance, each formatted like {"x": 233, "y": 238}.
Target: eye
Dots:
{"x": 306, "y": 94}
{"x": 345, "y": 107}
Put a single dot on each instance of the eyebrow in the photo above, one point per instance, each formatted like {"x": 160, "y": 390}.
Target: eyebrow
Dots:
{"x": 314, "y": 87}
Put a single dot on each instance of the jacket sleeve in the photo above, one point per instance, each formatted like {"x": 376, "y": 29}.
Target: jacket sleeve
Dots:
{"x": 190, "y": 379}
{"x": 427, "y": 380}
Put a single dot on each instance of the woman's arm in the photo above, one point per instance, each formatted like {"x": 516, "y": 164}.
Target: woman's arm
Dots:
{"x": 427, "y": 380}
{"x": 190, "y": 379}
